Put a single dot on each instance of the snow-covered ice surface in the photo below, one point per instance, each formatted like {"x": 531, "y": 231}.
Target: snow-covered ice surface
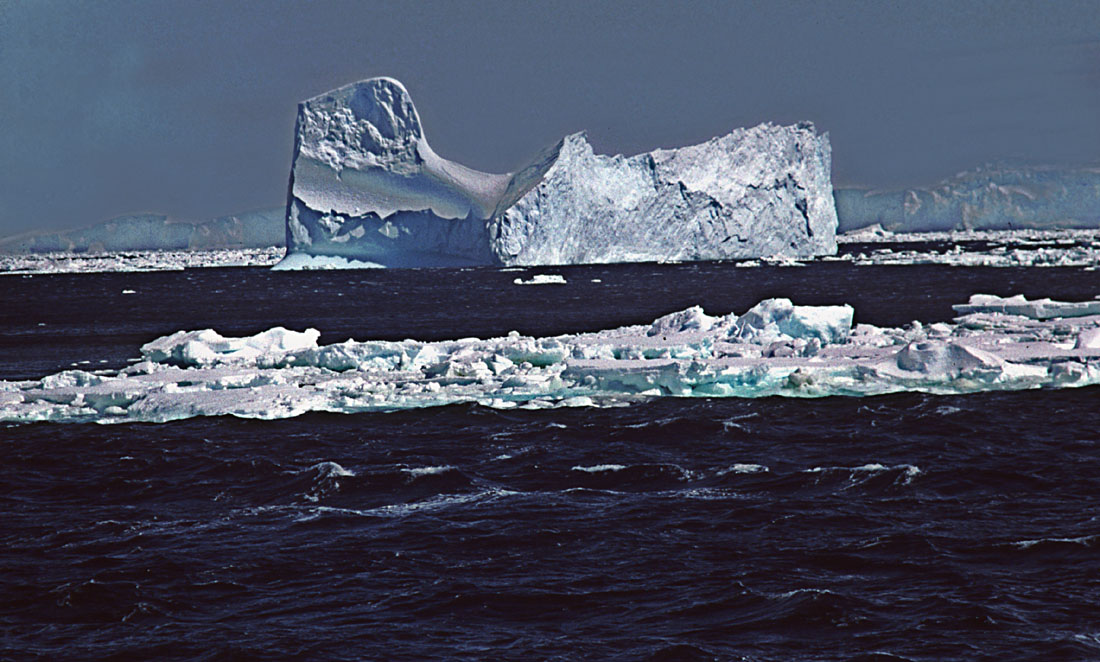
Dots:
{"x": 366, "y": 186}
{"x": 152, "y": 260}
{"x": 775, "y": 348}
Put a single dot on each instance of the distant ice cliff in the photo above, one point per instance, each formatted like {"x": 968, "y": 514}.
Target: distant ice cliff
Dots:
{"x": 367, "y": 189}
{"x": 987, "y": 198}
{"x": 262, "y": 228}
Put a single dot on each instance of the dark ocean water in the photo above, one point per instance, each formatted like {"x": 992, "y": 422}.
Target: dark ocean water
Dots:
{"x": 899, "y": 527}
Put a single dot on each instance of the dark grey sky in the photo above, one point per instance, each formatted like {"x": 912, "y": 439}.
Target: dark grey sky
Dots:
{"x": 187, "y": 107}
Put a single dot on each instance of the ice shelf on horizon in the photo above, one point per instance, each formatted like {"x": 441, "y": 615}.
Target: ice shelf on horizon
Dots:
{"x": 261, "y": 228}
{"x": 366, "y": 187}
{"x": 992, "y": 197}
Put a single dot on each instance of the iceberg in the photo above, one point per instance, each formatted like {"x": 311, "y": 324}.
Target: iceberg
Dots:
{"x": 992, "y": 197}
{"x": 774, "y": 349}
{"x": 366, "y": 188}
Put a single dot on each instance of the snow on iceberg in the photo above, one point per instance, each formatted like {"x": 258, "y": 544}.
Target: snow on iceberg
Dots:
{"x": 775, "y": 348}
{"x": 366, "y": 186}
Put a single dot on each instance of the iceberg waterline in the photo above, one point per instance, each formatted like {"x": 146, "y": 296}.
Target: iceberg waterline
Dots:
{"x": 775, "y": 348}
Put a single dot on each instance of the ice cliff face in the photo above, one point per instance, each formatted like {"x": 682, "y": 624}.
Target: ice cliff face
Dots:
{"x": 366, "y": 187}
{"x": 987, "y": 198}
{"x": 752, "y": 192}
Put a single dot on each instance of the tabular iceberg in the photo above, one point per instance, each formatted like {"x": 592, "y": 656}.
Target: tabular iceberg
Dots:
{"x": 367, "y": 189}
{"x": 993, "y": 197}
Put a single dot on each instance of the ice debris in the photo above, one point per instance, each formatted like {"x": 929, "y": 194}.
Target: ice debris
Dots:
{"x": 775, "y": 348}
{"x": 133, "y": 261}
{"x": 541, "y": 279}
{"x": 366, "y": 186}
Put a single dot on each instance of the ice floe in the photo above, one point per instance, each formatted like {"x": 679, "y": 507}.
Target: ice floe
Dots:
{"x": 775, "y": 348}
{"x": 542, "y": 279}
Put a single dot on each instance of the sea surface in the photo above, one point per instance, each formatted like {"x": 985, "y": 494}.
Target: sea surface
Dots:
{"x": 902, "y": 527}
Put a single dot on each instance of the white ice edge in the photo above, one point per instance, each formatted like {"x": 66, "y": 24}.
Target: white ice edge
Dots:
{"x": 773, "y": 349}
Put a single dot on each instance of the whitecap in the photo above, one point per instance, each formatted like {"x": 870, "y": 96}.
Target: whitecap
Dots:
{"x": 743, "y": 468}
{"x": 1080, "y": 540}
{"x": 330, "y": 470}
{"x": 416, "y": 472}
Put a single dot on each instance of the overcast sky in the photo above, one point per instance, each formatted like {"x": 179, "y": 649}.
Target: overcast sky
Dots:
{"x": 187, "y": 107}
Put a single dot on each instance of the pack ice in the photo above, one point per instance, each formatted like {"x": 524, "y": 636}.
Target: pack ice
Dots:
{"x": 774, "y": 349}
{"x": 366, "y": 189}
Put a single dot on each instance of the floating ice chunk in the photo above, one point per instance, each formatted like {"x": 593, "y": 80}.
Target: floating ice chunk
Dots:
{"x": 541, "y": 279}
{"x": 692, "y": 319}
{"x": 600, "y": 468}
{"x": 866, "y": 233}
{"x": 776, "y": 319}
{"x": 208, "y": 347}
{"x": 1038, "y": 309}
{"x": 306, "y": 262}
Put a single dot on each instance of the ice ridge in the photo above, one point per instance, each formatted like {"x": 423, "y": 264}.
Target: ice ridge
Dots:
{"x": 774, "y": 349}
{"x": 366, "y": 187}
